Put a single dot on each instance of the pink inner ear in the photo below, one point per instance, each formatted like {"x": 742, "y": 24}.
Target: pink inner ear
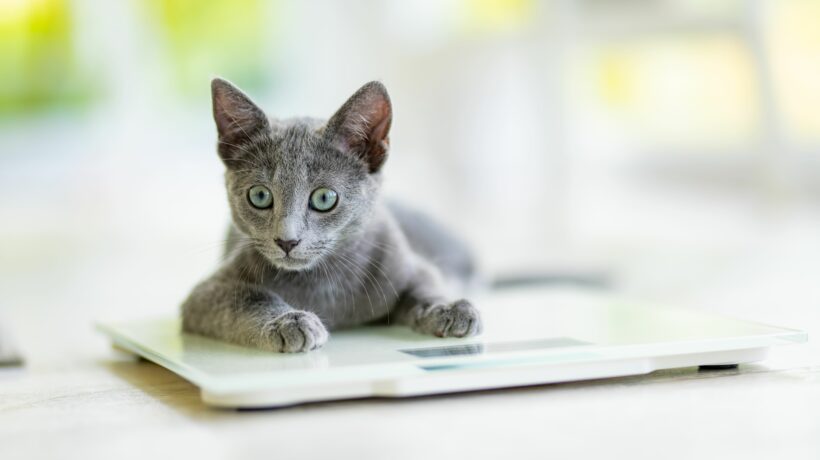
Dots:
{"x": 362, "y": 125}
{"x": 234, "y": 113}
{"x": 233, "y": 120}
{"x": 378, "y": 143}
{"x": 371, "y": 135}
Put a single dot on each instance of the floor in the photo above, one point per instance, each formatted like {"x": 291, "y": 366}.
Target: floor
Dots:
{"x": 106, "y": 407}
{"x": 100, "y": 403}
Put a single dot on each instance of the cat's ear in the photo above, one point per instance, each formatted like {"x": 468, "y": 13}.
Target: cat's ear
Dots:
{"x": 362, "y": 125}
{"x": 237, "y": 117}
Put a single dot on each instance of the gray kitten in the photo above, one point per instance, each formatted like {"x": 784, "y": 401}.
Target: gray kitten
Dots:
{"x": 312, "y": 247}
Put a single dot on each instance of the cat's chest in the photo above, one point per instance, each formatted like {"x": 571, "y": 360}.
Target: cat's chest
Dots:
{"x": 341, "y": 298}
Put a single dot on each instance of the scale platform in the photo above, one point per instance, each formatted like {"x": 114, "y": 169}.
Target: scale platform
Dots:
{"x": 531, "y": 336}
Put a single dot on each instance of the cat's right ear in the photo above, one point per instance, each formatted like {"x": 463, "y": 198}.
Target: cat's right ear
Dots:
{"x": 237, "y": 118}
{"x": 362, "y": 126}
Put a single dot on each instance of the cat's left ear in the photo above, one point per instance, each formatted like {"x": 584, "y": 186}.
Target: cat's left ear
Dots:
{"x": 362, "y": 125}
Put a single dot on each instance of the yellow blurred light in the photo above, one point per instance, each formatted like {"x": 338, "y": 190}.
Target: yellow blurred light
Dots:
{"x": 497, "y": 15}
{"x": 794, "y": 29}
{"x": 679, "y": 90}
{"x": 617, "y": 79}
{"x": 17, "y": 10}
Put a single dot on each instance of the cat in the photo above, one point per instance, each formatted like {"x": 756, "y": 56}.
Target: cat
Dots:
{"x": 312, "y": 246}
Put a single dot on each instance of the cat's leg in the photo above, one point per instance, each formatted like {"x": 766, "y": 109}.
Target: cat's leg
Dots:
{"x": 250, "y": 315}
{"x": 426, "y": 307}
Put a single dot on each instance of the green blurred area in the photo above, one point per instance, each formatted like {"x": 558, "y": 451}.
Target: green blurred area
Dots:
{"x": 54, "y": 54}
{"x": 38, "y": 69}
{"x": 203, "y": 39}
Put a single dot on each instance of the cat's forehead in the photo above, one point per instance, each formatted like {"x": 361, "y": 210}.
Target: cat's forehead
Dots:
{"x": 295, "y": 149}
{"x": 295, "y": 141}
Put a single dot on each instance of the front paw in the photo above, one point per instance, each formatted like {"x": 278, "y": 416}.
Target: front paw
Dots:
{"x": 457, "y": 319}
{"x": 297, "y": 331}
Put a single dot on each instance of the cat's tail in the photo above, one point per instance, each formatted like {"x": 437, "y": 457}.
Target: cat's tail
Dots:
{"x": 436, "y": 244}
{"x": 458, "y": 264}
{"x": 580, "y": 278}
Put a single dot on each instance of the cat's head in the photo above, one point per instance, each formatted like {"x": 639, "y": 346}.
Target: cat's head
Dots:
{"x": 300, "y": 188}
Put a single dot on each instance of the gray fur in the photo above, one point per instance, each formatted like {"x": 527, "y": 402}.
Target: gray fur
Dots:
{"x": 363, "y": 261}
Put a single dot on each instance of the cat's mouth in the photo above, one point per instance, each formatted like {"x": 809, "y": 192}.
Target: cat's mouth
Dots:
{"x": 289, "y": 262}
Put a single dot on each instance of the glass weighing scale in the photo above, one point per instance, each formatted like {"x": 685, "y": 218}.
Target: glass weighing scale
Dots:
{"x": 531, "y": 336}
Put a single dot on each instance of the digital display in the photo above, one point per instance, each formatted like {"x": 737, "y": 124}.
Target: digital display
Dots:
{"x": 499, "y": 347}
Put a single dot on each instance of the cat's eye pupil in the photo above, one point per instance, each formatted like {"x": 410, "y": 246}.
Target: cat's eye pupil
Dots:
{"x": 323, "y": 199}
{"x": 260, "y": 197}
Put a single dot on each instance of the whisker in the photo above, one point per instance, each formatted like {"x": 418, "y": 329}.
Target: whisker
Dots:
{"x": 366, "y": 273}
{"x": 361, "y": 281}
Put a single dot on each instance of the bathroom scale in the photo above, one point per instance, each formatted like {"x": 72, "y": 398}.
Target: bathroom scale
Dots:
{"x": 531, "y": 337}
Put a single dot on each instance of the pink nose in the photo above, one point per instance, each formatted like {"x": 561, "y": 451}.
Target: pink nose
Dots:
{"x": 286, "y": 245}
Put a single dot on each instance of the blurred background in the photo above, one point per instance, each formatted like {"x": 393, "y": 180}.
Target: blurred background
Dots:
{"x": 671, "y": 147}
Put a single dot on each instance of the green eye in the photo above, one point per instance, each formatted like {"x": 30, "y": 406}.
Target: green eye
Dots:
{"x": 323, "y": 199}
{"x": 260, "y": 197}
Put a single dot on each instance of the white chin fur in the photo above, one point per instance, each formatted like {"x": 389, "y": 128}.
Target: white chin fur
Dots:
{"x": 291, "y": 264}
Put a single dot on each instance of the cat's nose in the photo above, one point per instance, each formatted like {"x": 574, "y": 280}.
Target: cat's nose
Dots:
{"x": 286, "y": 245}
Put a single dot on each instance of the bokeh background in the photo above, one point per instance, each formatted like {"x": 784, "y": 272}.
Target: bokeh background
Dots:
{"x": 671, "y": 147}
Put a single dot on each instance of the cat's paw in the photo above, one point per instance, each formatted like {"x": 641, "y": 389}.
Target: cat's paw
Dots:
{"x": 457, "y": 319}
{"x": 297, "y": 331}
